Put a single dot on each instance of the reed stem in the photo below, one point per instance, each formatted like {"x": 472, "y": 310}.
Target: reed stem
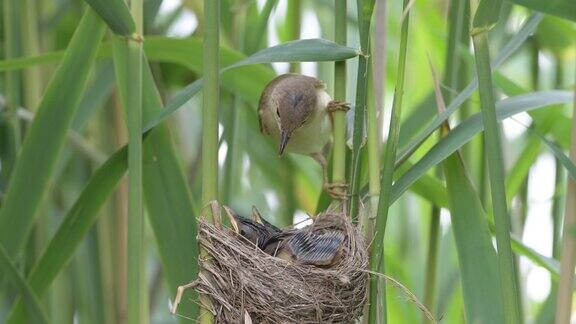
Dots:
{"x": 136, "y": 292}
{"x": 378, "y": 305}
{"x": 210, "y": 122}
{"x": 339, "y": 152}
{"x": 12, "y": 85}
{"x": 294, "y": 25}
{"x": 568, "y": 252}
{"x": 365, "y": 8}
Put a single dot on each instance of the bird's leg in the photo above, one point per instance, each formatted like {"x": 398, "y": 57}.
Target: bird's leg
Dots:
{"x": 179, "y": 294}
{"x": 335, "y": 190}
{"x": 336, "y": 105}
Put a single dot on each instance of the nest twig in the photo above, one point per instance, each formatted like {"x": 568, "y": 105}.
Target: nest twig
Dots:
{"x": 241, "y": 279}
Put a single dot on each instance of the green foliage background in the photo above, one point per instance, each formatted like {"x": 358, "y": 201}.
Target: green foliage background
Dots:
{"x": 66, "y": 89}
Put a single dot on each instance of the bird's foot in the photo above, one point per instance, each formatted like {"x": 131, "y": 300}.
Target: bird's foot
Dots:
{"x": 336, "y": 105}
{"x": 336, "y": 190}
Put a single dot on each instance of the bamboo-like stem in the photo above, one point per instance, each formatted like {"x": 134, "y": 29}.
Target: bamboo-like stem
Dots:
{"x": 210, "y": 103}
{"x": 136, "y": 292}
{"x": 210, "y": 122}
{"x": 560, "y": 184}
{"x": 380, "y": 59}
{"x": 493, "y": 149}
{"x": 568, "y": 253}
{"x": 365, "y": 8}
{"x": 294, "y": 18}
{"x": 31, "y": 47}
{"x": 373, "y": 145}
{"x": 121, "y": 218}
{"x": 232, "y": 122}
{"x": 12, "y": 89}
{"x": 339, "y": 151}
{"x": 377, "y": 255}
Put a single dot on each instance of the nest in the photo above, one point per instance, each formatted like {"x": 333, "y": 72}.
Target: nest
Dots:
{"x": 243, "y": 281}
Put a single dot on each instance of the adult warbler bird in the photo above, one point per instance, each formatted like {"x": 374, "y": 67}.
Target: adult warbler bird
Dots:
{"x": 294, "y": 110}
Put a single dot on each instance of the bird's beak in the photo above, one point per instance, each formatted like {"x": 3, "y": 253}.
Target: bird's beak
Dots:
{"x": 284, "y": 138}
{"x": 256, "y": 216}
{"x": 232, "y": 218}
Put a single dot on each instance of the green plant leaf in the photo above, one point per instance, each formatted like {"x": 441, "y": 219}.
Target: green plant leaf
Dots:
{"x": 116, "y": 15}
{"x": 35, "y": 311}
{"x": 558, "y": 153}
{"x": 47, "y": 134}
{"x": 171, "y": 210}
{"x": 73, "y": 228}
{"x": 561, "y": 8}
{"x": 295, "y": 51}
{"x": 255, "y": 35}
{"x": 467, "y": 129}
{"x": 486, "y": 15}
{"x": 25, "y": 62}
{"x": 476, "y": 256}
{"x": 514, "y": 43}
{"x": 166, "y": 193}
{"x": 427, "y": 187}
{"x": 556, "y": 35}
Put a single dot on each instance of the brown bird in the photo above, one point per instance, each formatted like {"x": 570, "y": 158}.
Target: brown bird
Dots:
{"x": 319, "y": 244}
{"x": 294, "y": 110}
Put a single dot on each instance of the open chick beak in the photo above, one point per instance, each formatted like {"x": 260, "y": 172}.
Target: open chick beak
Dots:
{"x": 232, "y": 218}
{"x": 284, "y": 138}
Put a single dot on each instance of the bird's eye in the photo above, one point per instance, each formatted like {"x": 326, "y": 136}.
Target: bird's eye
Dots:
{"x": 242, "y": 232}
{"x": 278, "y": 113}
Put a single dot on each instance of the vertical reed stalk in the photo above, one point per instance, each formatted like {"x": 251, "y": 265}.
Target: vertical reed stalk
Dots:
{"x": 493, "y": 149}
{"x": 365, "y": 8}
{"x": 373, "y": 146}
{"x": 210, "y": 121}
{"x": 121, "y": 218}
{"x": 294, "y": 25}
{"x": 232, "y": 122}
{"x": 560, "y": 184}
{"x": 339, "y": 152}
{"x": 31, "y": 47}
{"x": 378, "y": 305}
{"x": 136, "y": 293}
{"x": 210, "y": 103}
{"x": 12, "y": 87}
{"x": 568, "y": 252}
{"x": 380, "y": 59}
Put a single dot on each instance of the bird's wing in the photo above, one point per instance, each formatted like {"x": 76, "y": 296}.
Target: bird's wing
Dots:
{"x": 316, "y": 249}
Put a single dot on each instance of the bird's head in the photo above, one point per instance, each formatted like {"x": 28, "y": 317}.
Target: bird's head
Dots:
{"x": 244, "y": 226}
{"x": 295, "y": 104}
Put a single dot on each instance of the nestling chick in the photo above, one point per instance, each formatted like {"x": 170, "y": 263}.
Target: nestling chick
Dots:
{"x": 294, "y": 110}
{"x": 319, "y": 244}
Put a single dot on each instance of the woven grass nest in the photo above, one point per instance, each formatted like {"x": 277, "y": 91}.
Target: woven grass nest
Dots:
{"x": 246, "y": 284}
